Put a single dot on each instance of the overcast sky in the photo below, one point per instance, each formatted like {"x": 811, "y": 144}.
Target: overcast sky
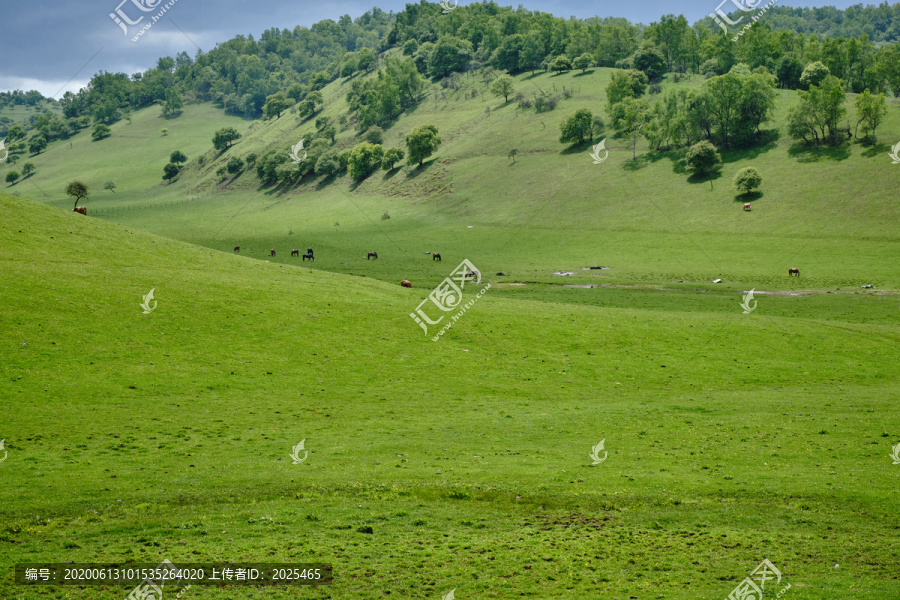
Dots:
{"x": 57, "y": 45}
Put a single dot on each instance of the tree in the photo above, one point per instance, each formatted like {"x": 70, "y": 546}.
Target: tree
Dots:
{"x": 393, "y": 155}
{"x": 365, "y": 60}
{"x": 513, "y": 152}
{"x": 164, "y": 131}
{"x": 275, "y": 104}
{"x": 410, "y": 47}
{"x": 449, "y": 55}
{"x": 651, "y": 62}
{"x": 234, "y": 165}
{"x": 747, "y": 179}
{"x": 870, "y": 112}
{"x": 349, "y": 68}
{"x": 328, "y": 164}
{"x": 422, "y": 142}
{"x": 633, "y": 116}
{"x": 561, "y": 63}
{"x": 16, "y": 133}
{"x": 813, "y": 74}
{"x": 224, "y": 137}
{"x": 37, "y": 143}
{"x": 28, "y": 169}
{"x": 374, "y": 135}
{"x": 788, "y": 72}
{"x": 310, "y": 104}
{"x": 328, "y": 131}
{"x": 702, "y": 157}
{"x": 365, "y": 158}
{"x": 503, "y": 86}
{"x": 173, "y": 103}
{"x": 101, "y": 131}
{"x": 12, "y": 177}
{"x": 583, "y": 62}
{"x": 170, "y": 171}
{"x": 77, "y": 190}
{"x": 177, "y": 157}
{"x": 110, "y": 185}
{"x": 623, "y": 84}
{"x": 577, "y": 127}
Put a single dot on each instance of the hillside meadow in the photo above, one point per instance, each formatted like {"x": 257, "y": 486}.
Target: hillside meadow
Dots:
{"x": 462, "y": 464}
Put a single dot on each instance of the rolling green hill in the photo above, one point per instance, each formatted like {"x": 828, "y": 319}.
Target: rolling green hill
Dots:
{"x": 432, "y": 466}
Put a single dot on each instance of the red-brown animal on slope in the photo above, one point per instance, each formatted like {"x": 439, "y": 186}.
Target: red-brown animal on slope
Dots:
{"x": 406, "y": 283}
{"x": 295, "y": 252}
{"x": 436, "y": 256}
{"x": 80, "y": 210}
{"x": 793, "y": 271}
{"x": 747, "y": 206}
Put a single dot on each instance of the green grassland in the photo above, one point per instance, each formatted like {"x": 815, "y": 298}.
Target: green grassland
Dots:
{"x": 731, "y": 437}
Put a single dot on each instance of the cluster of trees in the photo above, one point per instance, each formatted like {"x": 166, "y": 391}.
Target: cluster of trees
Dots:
{"x": 520, "y": 40}
{"x": 324, "y": 160}
{"x": 28, "y": 170}
{"x": 380, "y": 100}
{"x": 171, "y": 170}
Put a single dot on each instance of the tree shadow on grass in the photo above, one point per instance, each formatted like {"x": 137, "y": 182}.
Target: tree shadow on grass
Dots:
{"x": 576, "y": 148}
{"x": 811, "y": 154}
{"x": 534, "y": 75}
{"x": 418, "y": 170}
{"x": 765, "y": 141}
{"x": 748, "y": 197}
{"x": 390, "y": 174}
{"x": 584, "y": 74}
{"x": 696, "y": 178}
{"x": 648, "y": 158}
{"x": 876, "y": 150}
{"x": 326, "y": 181}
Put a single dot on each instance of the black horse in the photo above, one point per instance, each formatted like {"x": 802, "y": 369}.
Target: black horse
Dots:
{"x": 372, "y": 255}
{"x": 309, "y": 256}
{"x": 436, "y": 256}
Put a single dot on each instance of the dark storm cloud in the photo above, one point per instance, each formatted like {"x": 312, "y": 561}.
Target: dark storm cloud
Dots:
{"x": 58, "y": 45}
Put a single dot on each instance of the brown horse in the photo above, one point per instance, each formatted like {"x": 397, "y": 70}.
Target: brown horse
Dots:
{"x": 372, "y": 255}
{"x": 295, "y": 252}
{"x": 793, "y": 271}
{"x": 406, "y": 283}
{"x": 310, "y": 257}
{"x": 747, "y": 206}
{"x": 237, "y": 248}
{"x": 80, "y": 210}
{"x": 272, "y": 251}
{"x": 436, "y": 256}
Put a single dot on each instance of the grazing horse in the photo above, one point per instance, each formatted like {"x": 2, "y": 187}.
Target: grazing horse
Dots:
{"x": 80, "y": 210}
{"x": 309, "y": 251}
{"x": 436, "y": 256}
{"x": 472, "y": 273}
{"x": 295, "y": 252}
{"x": 793, "y": 271}
{"x": 372, "y": 255}
{"x": 406, "y": 283}
{"x": 310, "y": 257}
{"x": 747, "y": 206}
{"x": 272, "y": 251}
{"x": 237, "y": 248}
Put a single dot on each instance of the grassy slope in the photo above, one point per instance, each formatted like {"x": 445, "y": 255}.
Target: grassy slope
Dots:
{"x": 832, "y": 213}
{"x": 731, "y": 438}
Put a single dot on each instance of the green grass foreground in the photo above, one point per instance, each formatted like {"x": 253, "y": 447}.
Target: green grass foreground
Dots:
{"x": 731, "y": 438}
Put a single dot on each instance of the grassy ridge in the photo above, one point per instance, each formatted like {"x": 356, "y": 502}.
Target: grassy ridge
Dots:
{"x": 731, "y": 437}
